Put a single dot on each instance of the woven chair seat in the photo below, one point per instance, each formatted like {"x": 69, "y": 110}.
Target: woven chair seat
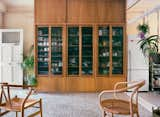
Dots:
{"x": 117, "y": 106}
{"x": 17, "y": 104}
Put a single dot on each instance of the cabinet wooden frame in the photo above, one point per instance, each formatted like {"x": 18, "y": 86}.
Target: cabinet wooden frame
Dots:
{"x": 36, "y": 49}
{"x": 110, "y": 49}
{"x": 64, "y": 82}
{"x": 80, "y": 49}
{"x": 50, "y": 75}
{"x": 124, "y": 50}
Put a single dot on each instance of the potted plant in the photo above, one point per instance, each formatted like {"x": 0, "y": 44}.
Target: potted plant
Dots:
{"x": 28, "y": 66}
{"x": 148, "y": 44}
{"x": 156, "y": 112}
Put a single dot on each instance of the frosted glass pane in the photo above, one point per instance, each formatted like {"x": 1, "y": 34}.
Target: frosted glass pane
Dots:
{"x": 11, "y": 37}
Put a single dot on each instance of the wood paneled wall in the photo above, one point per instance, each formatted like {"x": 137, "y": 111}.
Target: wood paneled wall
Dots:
{"x": 50, "y": 11}
{"x": 79, "y": 11}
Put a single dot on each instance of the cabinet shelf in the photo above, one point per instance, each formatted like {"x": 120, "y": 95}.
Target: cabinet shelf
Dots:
{"x": 73, "y": 35}
{"x": 42, "y": 40}
{"x": 42, "y": 56}
{"x": 44, "y": 35}
{"x": 73, "y": 66}
{"x": 81, "y": 46}
{"x": 57, "y": 56}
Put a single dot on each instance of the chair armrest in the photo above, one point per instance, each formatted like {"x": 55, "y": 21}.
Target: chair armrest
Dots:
{"x": 26, "y": 98}
{"x": 18, "y": 86}
{"x": 122, "y": 83}
{"x": 110, "y": 91}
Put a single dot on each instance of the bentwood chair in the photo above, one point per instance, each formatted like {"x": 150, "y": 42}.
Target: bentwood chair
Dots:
{"x": 16, "y": 104}
{"x": 113, "y": 102}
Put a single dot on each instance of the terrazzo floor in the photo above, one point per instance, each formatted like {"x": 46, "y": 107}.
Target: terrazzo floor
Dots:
{"x": 70, "y": 105}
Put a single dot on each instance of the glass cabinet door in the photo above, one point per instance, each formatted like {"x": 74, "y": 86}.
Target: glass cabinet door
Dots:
{"x": 43, "y": 50}
{"x": 103, "y": 50}
{"x": 56, "y": 50}
{"x": 117, "y": 50}
{"x": 87, "y": 51}
{"x": 73, "y": 50}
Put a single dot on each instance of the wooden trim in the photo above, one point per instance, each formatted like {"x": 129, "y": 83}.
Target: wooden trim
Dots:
{"x": 49, "y": 53}
{"x": 94, "y": 46}
{"x": 67, "y": 51}
{"x": 64, "y": 48}
{"x": 80, "y": 50}
{"x": 35, "y": 51}
{"x": 110, "y": 50}
{"x": 125, "y": 48}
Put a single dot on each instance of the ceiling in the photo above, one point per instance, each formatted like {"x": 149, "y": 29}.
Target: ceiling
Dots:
{"x": 141, "y": 7}
{"x": 19, "y": 3}
{"x": 135, "y": 7}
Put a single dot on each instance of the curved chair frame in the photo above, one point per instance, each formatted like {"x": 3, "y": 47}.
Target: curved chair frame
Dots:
{"x": 17, "y": 104}
{"x": 135, "y": 85}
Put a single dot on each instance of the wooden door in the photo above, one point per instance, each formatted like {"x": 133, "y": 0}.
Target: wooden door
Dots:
{"x": 50, "y": 11}
{"x": 112, "y": 11}
{"x": 81, "y": 11}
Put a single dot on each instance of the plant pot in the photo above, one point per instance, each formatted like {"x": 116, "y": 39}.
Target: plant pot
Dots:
{"x": 155, "y": 58}
{"x": 156, "y": 112}
{"x": 32, "y": 81}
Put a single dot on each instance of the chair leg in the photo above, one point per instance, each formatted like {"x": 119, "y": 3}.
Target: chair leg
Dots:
{"x": 111, "y": 114}
{"x": 132, "y": 115}
{"x": 103, "y": 114}
{"x": 40, "y": 104}
{"x": 137, "y": 114}
{"x": 16, "y": 114}
{"x": 22, "y": 113}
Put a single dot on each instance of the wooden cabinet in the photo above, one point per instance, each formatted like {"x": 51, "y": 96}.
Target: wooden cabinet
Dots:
{"x": 43, "y": 50}
{"x": 80, "y": 50}
{"x": 56, "y": 50}
{"x": 81, "y": 11}
{"x": 73, "y": 50}
{"x": 112, "y": 11}
{"x": 103, "y": 50}
{"x": 50, "y": 11}
{"x": 83, "y": 50}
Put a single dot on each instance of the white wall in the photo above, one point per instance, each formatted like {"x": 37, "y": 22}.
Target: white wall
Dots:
{"x": 1, "y": 20}
{"x": 153, "y": 22}
{"x": 2, "y": 10}
{"x": 23, "y": 20}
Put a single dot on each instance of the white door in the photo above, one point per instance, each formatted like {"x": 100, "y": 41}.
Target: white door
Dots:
{"x": 11, "y": 70}
{"x": 6, "y": 63}
{"x": 17, "y": 69}
{"x": 138, "y": 75}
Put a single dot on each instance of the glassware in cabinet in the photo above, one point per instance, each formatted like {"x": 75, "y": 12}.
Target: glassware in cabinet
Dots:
{"x": 43, "y": 50}
{"x": 117, "y": 50}
{"x": 87, "y": 50}
{"x": 73, "y": 50}
{"x": 103, "y": 50}
{"x": 56, "y": 51}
